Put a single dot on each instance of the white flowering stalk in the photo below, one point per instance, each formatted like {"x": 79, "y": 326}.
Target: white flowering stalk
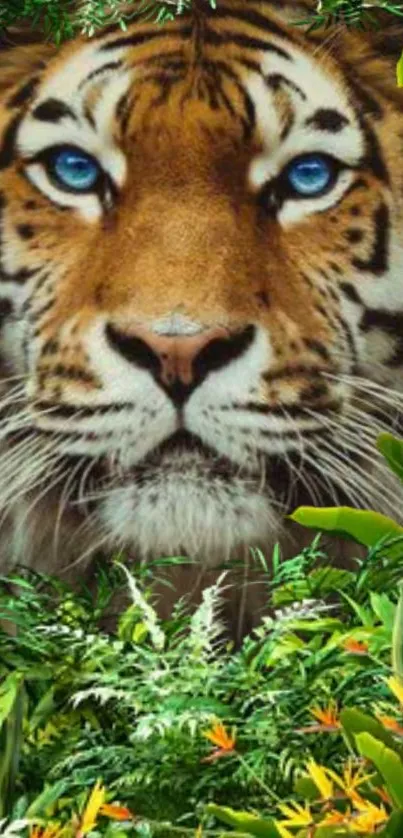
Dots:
{"x": 14, "y": 829}
{"x": 204, "y": 625}
{"x": 150, "y": 617}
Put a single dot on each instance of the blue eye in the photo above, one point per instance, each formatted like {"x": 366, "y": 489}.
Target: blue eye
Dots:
{"x": 311, "y": 175}
{"x": 74, "y": 170}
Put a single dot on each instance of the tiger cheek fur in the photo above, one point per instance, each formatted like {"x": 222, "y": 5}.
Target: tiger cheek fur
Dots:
{"x": 201, "y": 295}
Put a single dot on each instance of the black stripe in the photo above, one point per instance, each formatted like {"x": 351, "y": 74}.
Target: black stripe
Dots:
{"x": 349, "y": 290}
{"x": 248, "y": 63}
{"x": 318, "y": 348}
{"x": 166, "y": 83}
{"x": 68, "y": 410}
{"x": 354, "y": 235}
{"x": 53, "y": 110}
{"x": 89, "y": 116}
{"x": 37, "y": 314}
{"x": 139, "y": 38}
{"x": 373, "y": 157}
{"x": 363, "y": 99}
{"x": 19, "y": 277}
{"x": 327, "y": 119}
{"x": 23, "y": 94}
{"x": 254, "y": 18}
{"x": 246, "y": 41}
{"x": 396, "y": 359}
{"x": 288, "y": 125}
{"x": 163, "y": 59}
{"x": 289, "y": 371}
{"x": 275, "y": 81}
{"x": 378, "y": 260}
{"x": 75, "y": 373}
{"x": 250, "y": 121}
{"x": 25, "y": 231}
{"x": 110, "y": 65}
{"x": 6, "y": 308}
{"x": 388, "y": 321}
{"x": 7, "y": 148}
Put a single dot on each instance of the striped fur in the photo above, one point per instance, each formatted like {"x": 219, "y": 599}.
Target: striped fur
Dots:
{"x": 193, "y": 125}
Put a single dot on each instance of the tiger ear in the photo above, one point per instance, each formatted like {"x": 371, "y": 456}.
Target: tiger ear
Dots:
{"x": 20, "y": 66}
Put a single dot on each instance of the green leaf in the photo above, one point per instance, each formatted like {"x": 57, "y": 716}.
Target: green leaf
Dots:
{"x": 306, "y": 788}
{"x": 384, "y": 609}
{"x": 12, "y": 709}
{"x": 324, "y": 625}
{"x": 333, "y": 832}
{"x": 244, "y": 822}
{"x": 394, "y": 826}
{"x": 8, "y": 694}
{"x": 48, "y": 796}
{"x": 365, "y": 527}
{"x": 43, "y": 710}
{"x": 386, "y": 761}
{"x": 390, "y": 447}
{"x": 355, "y": 722}
{"x": 397, "y": 639}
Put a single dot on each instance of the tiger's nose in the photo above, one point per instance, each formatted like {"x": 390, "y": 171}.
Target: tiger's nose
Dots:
{"x": 180, "y": 362}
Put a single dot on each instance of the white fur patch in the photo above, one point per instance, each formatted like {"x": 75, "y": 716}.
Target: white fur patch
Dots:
{"x": 181, "y": 509}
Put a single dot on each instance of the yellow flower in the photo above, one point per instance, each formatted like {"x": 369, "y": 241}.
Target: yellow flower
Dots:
{"x": 296, "y": 814}
{"x": 396, "y": 686}
{"x": 370, "y": 817}
{"x": 320, "y": 778}
{"x": 91, "y": 811}
{"x": 52, "y": 830}
{"x": 351, "y": 780}
{"x": 199, "y": 831}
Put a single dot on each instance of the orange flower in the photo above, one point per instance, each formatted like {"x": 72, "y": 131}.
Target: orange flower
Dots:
{"x": 116, "y": 812}
{"x": 354, "y": 647}
{"x": 52, "y": 830}
{"x": 327, "y": 717}
{"x": 383, "y": 794}
{"x": 391, "y": 724}
{"x": 334, "y": 818}
{"x": 225, "y": 742}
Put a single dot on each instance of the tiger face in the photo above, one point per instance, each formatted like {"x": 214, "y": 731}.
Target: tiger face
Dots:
{"x": 201, "y": 283}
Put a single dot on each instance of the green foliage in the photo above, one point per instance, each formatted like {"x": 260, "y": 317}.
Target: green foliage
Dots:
{"x": 131, "y": 707}
{"x": 61, "y": 19}
{"x": 359, "y": 13}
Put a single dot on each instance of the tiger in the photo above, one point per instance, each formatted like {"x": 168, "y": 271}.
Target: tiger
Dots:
{"x": 201, "y": 287}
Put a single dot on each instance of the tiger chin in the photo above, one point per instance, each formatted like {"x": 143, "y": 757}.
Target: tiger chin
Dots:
{"x": 201, "y": 289}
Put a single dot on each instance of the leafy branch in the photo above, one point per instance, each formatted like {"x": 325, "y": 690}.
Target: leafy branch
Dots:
{"x": 63, "y": 19}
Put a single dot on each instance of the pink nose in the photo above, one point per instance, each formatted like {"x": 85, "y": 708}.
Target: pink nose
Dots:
{"x": 177, "y": 354}
{"x": 179, "y": 363}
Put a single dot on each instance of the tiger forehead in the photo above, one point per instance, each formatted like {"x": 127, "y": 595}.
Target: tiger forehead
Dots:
{"x": 133, "y": 77}
{"x": 224, "y": 108}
